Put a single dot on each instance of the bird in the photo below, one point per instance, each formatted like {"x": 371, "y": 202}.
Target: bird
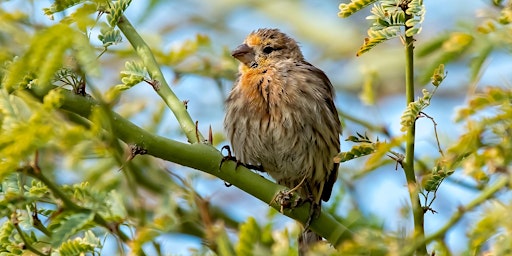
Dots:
{"x": 280, "y": 116}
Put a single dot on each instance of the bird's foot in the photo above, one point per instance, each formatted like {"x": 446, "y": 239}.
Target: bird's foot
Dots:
{"x": 230, "y": 157}
{"x": 285, "y": 198}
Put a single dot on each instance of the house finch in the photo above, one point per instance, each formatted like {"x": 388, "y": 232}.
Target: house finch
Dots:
{"x": 281, "y": 116}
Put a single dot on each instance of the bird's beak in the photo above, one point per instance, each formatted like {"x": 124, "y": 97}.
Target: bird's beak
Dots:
{"x": 244, "y": 54}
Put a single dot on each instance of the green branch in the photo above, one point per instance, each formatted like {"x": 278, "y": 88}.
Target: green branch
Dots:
{"x": 26, "y": 243}
{"x": 206, "y": 158}
{"x": 159, "y": 83}
{"x": 417, "y": 210}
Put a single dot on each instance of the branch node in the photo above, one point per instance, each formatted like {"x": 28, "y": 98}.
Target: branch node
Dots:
{"x": 398, "y": 158}
{"x": 154, "y": 83}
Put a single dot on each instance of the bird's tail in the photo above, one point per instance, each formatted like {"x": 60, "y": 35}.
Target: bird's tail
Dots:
{"x": 306, "y": 240}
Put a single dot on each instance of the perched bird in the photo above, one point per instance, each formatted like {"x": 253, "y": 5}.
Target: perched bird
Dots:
{"x": 280, "y": 115}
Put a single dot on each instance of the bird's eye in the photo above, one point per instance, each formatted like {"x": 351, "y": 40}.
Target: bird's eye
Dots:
{"x": 268, "y": 49}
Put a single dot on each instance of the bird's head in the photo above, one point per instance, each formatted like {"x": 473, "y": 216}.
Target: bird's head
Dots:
{"x": 265, "y": 47}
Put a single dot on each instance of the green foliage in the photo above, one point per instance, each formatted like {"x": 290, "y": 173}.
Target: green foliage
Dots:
{"x": 486, "y": 141}
{"x": 439, "y": 75}
{"x": 20, "y": 140}
{"x": 69, "y": 226}
{"x": 376, "y": 150}
{"x": 80, "y": 245}
{"x": 354, "y": 6}
{"x": 249, "y": 237}
{"x": 390, "y": 19}
{"x": 436, "y": 176}
{"x": 491, "y": 231}
{"x": 45, "y": 57}
{"x": 8, "y": 240}
{"x": 116, "y": 10}
{"x": 416, "y": 11}
{"x": 253, "y": 239}
{"x": 109, "y": 36}
{"x": 60, "y": 5}
{"x": 363, "y": 148}
{"x": 413, "y": 110}
{"x": 133, "y": 74}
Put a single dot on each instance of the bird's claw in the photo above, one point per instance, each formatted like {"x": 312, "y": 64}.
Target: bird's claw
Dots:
{"x": 230, "y": 157}
{"x": 285, "y": 199}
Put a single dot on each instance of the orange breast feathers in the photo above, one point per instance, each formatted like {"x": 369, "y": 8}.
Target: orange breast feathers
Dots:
{"x": 255, "y": 84}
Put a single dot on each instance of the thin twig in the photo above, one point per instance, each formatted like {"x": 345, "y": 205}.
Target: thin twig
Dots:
{"x": 37, "y": 222}
{"x": 26, "y": 243}
{"x": 435, "y": 131}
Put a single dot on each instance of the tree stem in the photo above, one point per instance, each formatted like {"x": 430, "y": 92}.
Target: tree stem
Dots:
{"x": 417, "y": 210}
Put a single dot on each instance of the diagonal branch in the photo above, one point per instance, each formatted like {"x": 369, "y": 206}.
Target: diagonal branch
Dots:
{"x": 206, "y": 158}
{"x": 159, "y": 83}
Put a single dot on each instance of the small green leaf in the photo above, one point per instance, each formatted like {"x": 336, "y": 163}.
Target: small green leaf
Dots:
{"x": 412, "y": 31}
{"x": 413, "y": 110}
{"x": 70, "y": 226}
{"x": 110, "y": 36}
{"x": 80, "y": 246}
{"x": 356, "y": 151}
{"x": 134, "y": 73}
{"x": 439, "y": 75}
{"x": 436, "y": 177}
{"x": 59, "y": 6}
{"x": 116, "y": 11}
{"x": 353, "y": 7}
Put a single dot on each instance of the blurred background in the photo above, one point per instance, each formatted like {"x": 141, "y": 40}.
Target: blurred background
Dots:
{"x": 370, "y": 94}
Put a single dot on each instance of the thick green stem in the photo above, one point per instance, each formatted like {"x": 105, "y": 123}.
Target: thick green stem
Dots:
{"x": 417, "y": 210}
{"x": 159, "y": 83}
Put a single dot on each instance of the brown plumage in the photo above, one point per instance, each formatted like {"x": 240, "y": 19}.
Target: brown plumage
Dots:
{"x": 280, "y": 115}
